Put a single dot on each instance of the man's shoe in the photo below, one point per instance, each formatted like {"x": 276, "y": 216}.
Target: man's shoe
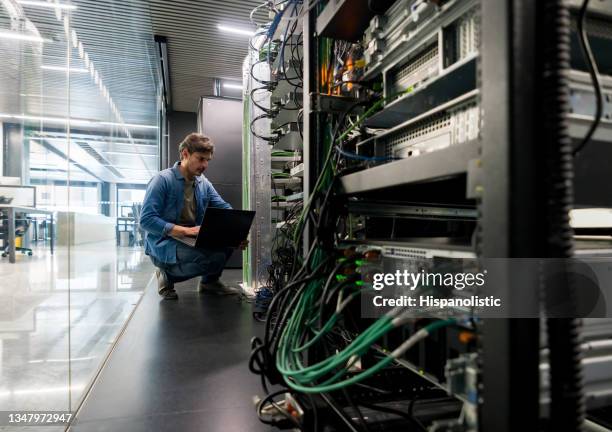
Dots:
{"x": 165, "y": 288}
{"x": 169, "y": 294}
{"x": 217, "y": 288}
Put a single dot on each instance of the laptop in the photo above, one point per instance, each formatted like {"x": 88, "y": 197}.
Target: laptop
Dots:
{"x": 221, "y": 228}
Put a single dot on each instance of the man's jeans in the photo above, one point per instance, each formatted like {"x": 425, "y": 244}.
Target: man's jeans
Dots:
{"x": 192, "y": 262}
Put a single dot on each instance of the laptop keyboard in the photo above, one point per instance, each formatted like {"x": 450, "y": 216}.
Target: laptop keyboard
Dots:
{"x": 191, "y": 241}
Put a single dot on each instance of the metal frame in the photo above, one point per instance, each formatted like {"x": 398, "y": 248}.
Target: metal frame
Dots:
{"x": 309, "y": 117}
{"x": 439, "y": 164}
{"x": 510, "y": 347}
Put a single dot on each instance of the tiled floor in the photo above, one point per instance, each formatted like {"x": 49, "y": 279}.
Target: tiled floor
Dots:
{"x": 59, "y": 315}
{"x": 179, "y": 366}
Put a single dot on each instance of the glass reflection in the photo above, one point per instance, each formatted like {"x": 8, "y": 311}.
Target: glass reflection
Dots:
{"x": 79, "y": 127}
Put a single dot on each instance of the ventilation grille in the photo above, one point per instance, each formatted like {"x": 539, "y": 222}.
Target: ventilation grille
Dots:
{"x": 467, "y": 35}
{"x": 417, "y": 70}
{"x": 436, "y": 126}
{"x": 441, "y": 130}
{"x": 402, "y": 252}
{"x": 101, "y": 159}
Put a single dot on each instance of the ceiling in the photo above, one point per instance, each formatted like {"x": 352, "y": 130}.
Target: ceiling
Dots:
{"x": 114, "y": 38}
{"x": 198, "y": 50}
{"x": 118, "y": 37}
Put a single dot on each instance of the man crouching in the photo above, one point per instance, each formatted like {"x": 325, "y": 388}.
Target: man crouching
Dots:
{"x": 174, "y": 206}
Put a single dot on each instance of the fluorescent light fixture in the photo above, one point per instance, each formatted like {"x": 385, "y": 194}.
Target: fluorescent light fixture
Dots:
{"x": 20, "y": 36}
{"x": 64, "y": 69}
{"x": 59, "y": 120}
{"x": 73, "y": 121}
{"x": 66, "y": 21}
{"x": 232, "y": 86}
{"x": 236, "y": 30}
{"x": 127, "y": 153}
{"x": 130, "y": 125}
{"x": 45, "y": 4}
{"x": 75, "y": 39}
{"x": 130, "y": 168}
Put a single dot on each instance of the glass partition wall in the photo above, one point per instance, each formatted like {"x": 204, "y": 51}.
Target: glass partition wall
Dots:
{"x": 79, "y": 101}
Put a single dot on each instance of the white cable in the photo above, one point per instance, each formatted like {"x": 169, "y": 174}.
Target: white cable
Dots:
{"x": 412, "y": 341}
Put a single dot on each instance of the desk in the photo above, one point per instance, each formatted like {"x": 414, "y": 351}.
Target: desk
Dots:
{"x": 11, "y": 211}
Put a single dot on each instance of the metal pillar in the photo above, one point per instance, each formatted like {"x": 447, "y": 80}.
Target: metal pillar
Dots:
{"x": 510, "y": 375}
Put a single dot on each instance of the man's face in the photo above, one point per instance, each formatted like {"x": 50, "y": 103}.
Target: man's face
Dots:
{"x": 196, "y": 162}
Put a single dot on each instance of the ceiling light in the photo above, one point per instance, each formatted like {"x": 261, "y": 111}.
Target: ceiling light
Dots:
{"x": 64, "y": 69}
{"x": 46, "y": 4}
{"x": 236, "y": 30}
{"x": 130, "y": 125}
{"x": 60, "y": 120}
{"x": 73, "y": 121}
{"x": 128, "y": 153}
{"x": 232, "y": 86}
{"x": 66, "y": 21}
{"x": 21, "y": 36}
{"x": 75, "y": 39}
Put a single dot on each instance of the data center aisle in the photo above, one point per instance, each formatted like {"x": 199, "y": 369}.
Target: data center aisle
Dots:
{"x": 179, "y": 366}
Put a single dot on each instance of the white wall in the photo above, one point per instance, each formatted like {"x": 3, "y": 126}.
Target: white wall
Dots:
{"x": 79, "y": 228}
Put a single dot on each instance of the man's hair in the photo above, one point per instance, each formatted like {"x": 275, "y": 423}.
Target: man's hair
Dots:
{"x": 195, "y": 142}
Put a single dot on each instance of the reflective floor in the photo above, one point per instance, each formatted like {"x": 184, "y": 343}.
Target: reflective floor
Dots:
{"x": 180, "y": 366}
{"x": 45, "y": 362}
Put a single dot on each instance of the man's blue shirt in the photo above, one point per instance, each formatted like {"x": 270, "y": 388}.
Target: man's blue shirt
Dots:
{"x": 162, "y": 206}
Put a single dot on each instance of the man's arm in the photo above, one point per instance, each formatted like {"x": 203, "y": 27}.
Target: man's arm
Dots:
{"x": 181, "y": 231}
{"x": 152, "y": 209}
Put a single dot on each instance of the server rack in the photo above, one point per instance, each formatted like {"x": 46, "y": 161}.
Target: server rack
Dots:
{"x": 497, "y": 173}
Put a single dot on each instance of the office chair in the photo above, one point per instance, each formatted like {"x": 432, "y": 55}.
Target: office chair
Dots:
{"x": 21, "y": 227}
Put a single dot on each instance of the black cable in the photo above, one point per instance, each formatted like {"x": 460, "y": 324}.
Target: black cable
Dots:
{"x": 315, "y": 414}
{"x": 300, "y": 114}
{"x": 268, "y": 138}
{"x": 589, "y": 59}
{"x": 347, "y": 421}
{"x": 260, "y": 81}
{"x": 274, "y": 301}
{"x": 254, "y": 359}
{"x": 282, "y": 59}
{"x": 296, "y": 100}
{"x": 366, "y": 428}
{"x": 261, "y": 107}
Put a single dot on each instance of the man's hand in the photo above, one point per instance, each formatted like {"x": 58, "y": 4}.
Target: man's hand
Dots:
{"x": 181, "y": 231}
{"x": 243, "y": 245}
